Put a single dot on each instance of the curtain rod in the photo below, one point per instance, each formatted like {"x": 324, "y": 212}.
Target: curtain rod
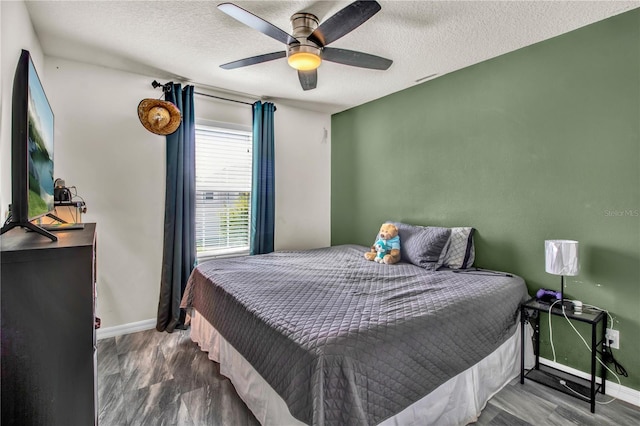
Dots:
{"x": 155, "y": 85}
{"x": 224, "y": 99}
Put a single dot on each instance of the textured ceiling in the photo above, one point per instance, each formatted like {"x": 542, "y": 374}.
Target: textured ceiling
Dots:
{"x": 188, "y": 40}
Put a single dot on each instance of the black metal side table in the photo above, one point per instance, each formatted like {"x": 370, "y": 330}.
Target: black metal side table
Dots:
{"x": 564, "y": 382}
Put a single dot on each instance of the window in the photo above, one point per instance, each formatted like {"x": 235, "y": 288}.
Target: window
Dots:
{"x": 223, "y": 191}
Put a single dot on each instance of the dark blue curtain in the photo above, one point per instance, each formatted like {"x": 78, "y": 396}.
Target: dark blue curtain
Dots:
{"x": 179, "y": 253}
{"x": 263, "y": 182}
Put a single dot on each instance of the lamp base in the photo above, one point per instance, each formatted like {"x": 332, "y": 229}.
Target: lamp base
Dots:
{"x": 566, "y": 304}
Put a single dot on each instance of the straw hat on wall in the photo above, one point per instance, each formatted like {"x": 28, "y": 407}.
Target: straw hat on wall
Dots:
{"x": 159, "y": 117}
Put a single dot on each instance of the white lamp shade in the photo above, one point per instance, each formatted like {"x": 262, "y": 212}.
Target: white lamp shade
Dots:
{"x": 561, "y": 257}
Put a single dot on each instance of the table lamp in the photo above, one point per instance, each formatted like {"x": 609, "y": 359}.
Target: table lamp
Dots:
{"x": 561, "y": 258}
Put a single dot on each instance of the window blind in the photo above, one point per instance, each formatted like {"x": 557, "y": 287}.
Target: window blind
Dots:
{"x": 223, "y": 191}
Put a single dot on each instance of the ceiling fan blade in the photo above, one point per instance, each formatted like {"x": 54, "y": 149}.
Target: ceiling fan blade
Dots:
{"x": 253, "y": 60}
{"x": 355, "y": 59}
{"x": 256, "y": 23}
{"x": 308, "y": 79}
{"x": 344, "y": 21}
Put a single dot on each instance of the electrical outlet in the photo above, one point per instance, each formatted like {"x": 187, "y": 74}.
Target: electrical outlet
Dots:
{"x": 613, "y": 338}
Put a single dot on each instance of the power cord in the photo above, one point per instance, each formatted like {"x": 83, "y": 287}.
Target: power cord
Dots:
{"x": 553, "y": 349}
{"x": 75, "y": 195}
{"x": 9, "y": 218}
{"x": 609, "y": 359}
{"x": 566, "y": 386}
{"x": 606, "y": 354}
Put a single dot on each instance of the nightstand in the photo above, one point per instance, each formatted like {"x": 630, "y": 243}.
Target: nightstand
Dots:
{"x": 583, "y": 389}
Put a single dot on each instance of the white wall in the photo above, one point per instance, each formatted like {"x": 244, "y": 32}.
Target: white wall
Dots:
{"x": 118, "y": 168}
{"x": 303, "y": 178}
{"x": 16, "y": 33}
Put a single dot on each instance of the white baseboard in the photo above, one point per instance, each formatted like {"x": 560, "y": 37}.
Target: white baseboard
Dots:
{"x": 613, "y": 389}
{"x": 119, "y": 330}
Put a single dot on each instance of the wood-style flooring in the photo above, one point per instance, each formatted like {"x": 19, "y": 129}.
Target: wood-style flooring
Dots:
{"x": 152, "y": 378}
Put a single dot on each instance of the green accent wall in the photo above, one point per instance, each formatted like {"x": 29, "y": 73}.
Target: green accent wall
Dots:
{"x": 540, "y": 143}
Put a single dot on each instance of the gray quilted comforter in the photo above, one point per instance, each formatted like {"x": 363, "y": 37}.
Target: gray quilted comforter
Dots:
{"x": 347, "y": 341}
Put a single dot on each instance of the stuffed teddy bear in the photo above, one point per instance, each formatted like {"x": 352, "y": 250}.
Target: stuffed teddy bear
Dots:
{"x": 386, "y": 249}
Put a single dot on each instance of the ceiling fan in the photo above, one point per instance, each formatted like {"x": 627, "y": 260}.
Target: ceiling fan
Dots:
{"x": 307, "y": 47}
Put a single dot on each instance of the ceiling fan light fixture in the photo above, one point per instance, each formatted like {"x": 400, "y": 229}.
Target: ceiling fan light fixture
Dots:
{"x": 305, "y": 54}
{"x": 307, "y": 46}
{"x": 304, "y": 61}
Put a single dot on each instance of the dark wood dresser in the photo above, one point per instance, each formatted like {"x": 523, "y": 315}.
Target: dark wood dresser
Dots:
{"x": 48, "y": 334}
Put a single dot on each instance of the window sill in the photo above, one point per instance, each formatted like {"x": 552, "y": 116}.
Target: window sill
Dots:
{"x": 218, "y": 254}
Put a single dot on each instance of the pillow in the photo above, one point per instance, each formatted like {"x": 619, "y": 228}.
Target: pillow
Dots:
{"x": 422, "y": 246}
{"x": 461, "y": 251}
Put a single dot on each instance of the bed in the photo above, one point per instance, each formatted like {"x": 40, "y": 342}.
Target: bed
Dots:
{"x": 324, "y": 337}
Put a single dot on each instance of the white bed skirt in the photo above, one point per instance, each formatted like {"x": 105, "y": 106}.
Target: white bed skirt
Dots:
{"x": 458, "y": 401}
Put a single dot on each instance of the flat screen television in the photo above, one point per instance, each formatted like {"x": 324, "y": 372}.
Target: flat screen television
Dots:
{"x": 32, "y": 128}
